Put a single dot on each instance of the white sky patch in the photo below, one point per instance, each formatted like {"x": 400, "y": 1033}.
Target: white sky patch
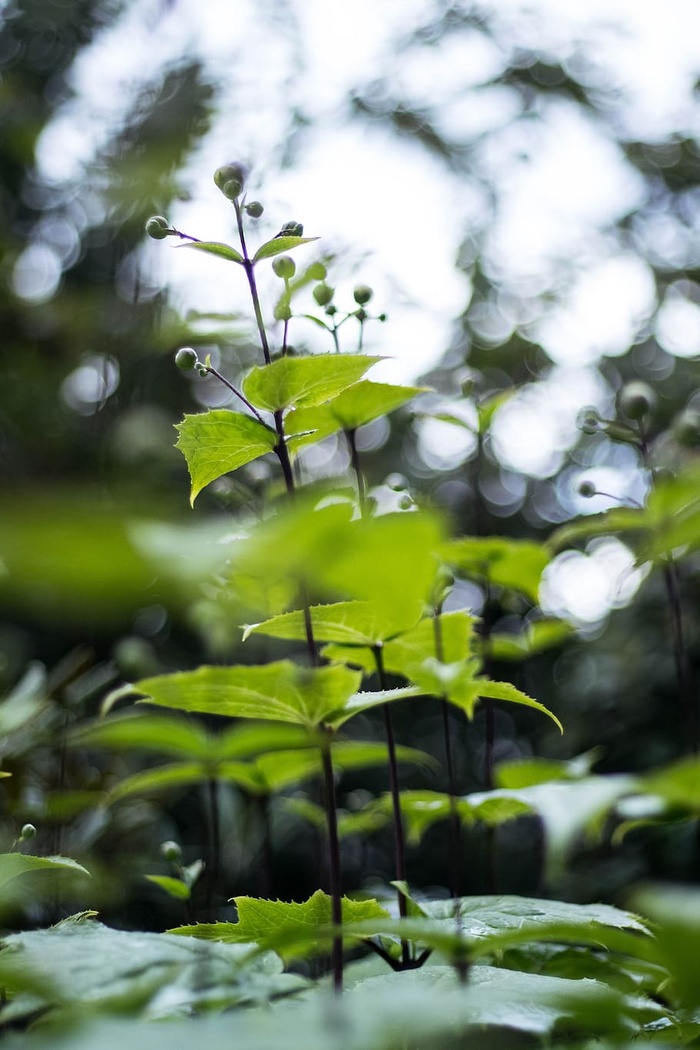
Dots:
{"x": 603, "y": 313}
{"x": 584, "y": 588}
{"x": 678, "y": 324}
{"x": 534, "y": 428}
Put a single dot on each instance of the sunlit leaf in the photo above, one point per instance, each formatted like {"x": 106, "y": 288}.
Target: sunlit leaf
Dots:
{"x": 406, "y": 653}
{"x": 217, "y": 248}
{"x": 278, "y": 245}
{"x": 349, "y": 623}
{"x": 217, "y": 442}
{"x": 303, "y": 381}
{"x": 13, "y": 865}
{"x": 507, "y": 691}
{"x": 173, "y": 887}
{"x": 280, "y": 691}
{"x": 352, "y": 408}
{"x": 537, "y": 638}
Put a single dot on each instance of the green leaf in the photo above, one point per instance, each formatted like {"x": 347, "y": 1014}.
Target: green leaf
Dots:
{"x": 173, "y": 887}
{"x": 183, "y": 775}
{"x": 678, "y": 784}
{"x": 278, "y": 245}
{"x": 524, "y": 772}
{"x": 217, "y": 442}
{"x": 349, "y": 623}
{"x": 137, "y": 730}
{"x": 303, "y": 381}
{"x": 218, "y": 248}
{"x": 26, "y": 700}
{"x": 675, "y": 912}
{"x": 368, "y": 701}
{"x": 507, "y": 691}
{"x": 154, "y": 975}
{"x": 609, "y": 523}
{"x": 13, "y": 865}
{"x": 352, "y": 408}
{"x": 422, "y": 809}
{"x": 487, "y": 408}
{"x": 512, "y": 564}
{"x": 283, "y": 768}
{"x": 537, "y": 638}
{"x": 280, "y": 691}
{"x": 279, "y": 924}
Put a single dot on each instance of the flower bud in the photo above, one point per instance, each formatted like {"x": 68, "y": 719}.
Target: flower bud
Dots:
{"x": 157, "y": 227}
{"x": 587, "y": 489}
{"x": 291, "y": 229}
{"x": 317, "y": 271}
{"x": 28, "y": 832}
{"x": 686, "y": 428}
{"x": 323, "y": 294}
{"x": 589, "y": 421}
{"x": 171, "y": 851}
{"x": 397, "y": 482}
{"x": 284, "y": 266}
{"x": 362, "y": 294}
{"x": 230, "y": 178}
{"x": 636, "y": 400}
{"x": 186, "y": 358}
{"x": 361, "y": 314}
{"x": 254, "y": 209}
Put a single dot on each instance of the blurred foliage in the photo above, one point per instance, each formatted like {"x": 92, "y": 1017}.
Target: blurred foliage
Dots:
{"x": 90, "y": 393}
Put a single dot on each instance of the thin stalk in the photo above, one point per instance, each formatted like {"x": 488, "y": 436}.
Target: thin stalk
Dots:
{"x": 455, "y": 835}
{"x": 263, "y": 805}
{"x": 238, "y": 394}
{"x": 399, "y": 844}
{"x": 333, "y": 858}
{"x": 680, "y": 650}
{"x": 214, "y": 846}
{"x": 249, "y": 268}
{"x": 355, "y": 460}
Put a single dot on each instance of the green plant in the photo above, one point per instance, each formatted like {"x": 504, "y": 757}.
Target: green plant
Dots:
{"x": 359, "y": 593}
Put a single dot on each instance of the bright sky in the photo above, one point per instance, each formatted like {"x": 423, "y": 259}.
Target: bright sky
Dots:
{"x": 394, "y": 215}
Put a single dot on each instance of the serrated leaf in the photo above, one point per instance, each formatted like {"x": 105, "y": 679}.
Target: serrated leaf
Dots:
{"x": 512, "y": 564}
{"x": 293, "y": 929}
{"x": 508, "y": 692}
{"x": 352, "y": 408}
{"x": 303, "y": 382}
{"x": 216, "y": 442}
{"x": 350, "y": 623}
{"x": 422, "y": 809}
{"x": 13, "y": 865}
{"x": 280, "y": 691}
{"x": 278, "y": 245}
{"x": 217, "y": 248}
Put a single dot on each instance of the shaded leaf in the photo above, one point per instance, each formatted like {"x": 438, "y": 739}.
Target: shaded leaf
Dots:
{"x": 513, "y": 564}
{"x": 278, "y": 245}
{"x": 173, "y": 887}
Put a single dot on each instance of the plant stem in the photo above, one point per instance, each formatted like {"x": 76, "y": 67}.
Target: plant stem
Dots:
{"x": 455, "y": 852}
{"x": 238, "y": 394}
{"x": 355, "y": 460}
{"x": 249, "y": 268}
{"x": 399, "y": 845}
{"x": 333, "y": 856}
{"x": 214, "y": 846}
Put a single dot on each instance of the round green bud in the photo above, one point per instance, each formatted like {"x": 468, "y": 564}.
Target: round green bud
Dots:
{"x": 381, "y": 317}
{"x": 361, "y": 314}
{"x": 186, "y": 358}
{"x": 323, "y": 294}
{"x": 230, "y": 178}
{"x": 397, "y": 482}
{"x": 331, "y": 310}
{"x": 587, "y": 489}
{"x": 636, "y": 400}
{"x": 254, "y": 209}
{"x": 28, "y": 832}
{"x": 405, "y": 503}
{"x": 317, "y": 271}
{"x": 157, "y": 227}
{"x": 686, "y": 428}
{"x": 284, "y": 266}
{"x": 171, "y": 851}
{"x": 589, "y": 421}
{"x": 291, "y": 229}
{"x": 362, "y": 294}
{"x": 203, "y": 371}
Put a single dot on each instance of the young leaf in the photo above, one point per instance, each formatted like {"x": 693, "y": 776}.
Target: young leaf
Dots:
{"x": 13, "y": 865}
{"x": 217, "y": 442}
{"x": 303, "y": 381}
{"x": 280, "y": 691}
{"x": 507, "y": 691}
{"x": 349, "y": 623}
{"x": 173, "y": 887}
{"x": 354, "y": 407}
{"x": 278, "y": 245}
{"x": 406, "y": 653}
{"x": 218, "y": 248}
